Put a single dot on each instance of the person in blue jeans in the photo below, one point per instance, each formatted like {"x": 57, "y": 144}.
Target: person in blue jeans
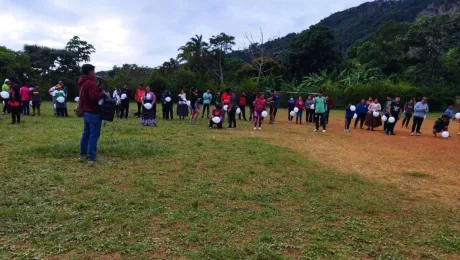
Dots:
{"x": 90, "y": 94}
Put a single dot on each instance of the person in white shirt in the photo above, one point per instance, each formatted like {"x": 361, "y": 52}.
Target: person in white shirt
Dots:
{"x": 116, "y": 96}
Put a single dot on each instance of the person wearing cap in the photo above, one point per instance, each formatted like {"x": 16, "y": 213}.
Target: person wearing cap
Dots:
{"x": 90, "y": 94}
{"x": 6, "y": 88}
{"x": 61, "y": 107}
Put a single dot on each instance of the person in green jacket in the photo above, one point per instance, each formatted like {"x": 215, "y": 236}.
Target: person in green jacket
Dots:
{"x": 320, "y": 111}
{"x": 6, "y": 87}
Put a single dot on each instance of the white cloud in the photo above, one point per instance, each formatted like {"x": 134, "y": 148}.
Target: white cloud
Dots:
{"x": 150, "y": 32}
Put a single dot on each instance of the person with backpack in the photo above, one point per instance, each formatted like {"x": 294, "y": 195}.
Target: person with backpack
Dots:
{"x": 207, "y": 97}
{"x": 242, "y": 105}
{"x": 259, "y": 107}
{"x": 90, "y": 94}
{"x": 148, "y": 114}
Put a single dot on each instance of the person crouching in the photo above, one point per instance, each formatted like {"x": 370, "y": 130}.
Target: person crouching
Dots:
{"x": 441, "y": 125}
{"x": 216, "y": 112}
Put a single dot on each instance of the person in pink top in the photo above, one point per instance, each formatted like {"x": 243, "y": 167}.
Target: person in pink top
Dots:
{"x": 24, "y": 92}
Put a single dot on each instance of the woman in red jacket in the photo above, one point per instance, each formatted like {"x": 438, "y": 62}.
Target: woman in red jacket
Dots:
{"x": 300, "y": 105}
{"x": 259, "y": 107}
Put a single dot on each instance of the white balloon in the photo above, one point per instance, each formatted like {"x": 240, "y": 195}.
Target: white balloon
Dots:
{"x": 5, "y": 95}
{"x": 225, "y": 107}
{"x": 376, "y": 114}
{"x": 457, "y": 116}
{"x": 312, "y": 107}
{"x": 264, "y": 114}
{"x": 238, "y": 111}
{"x": 292, "y": 113}
{"x": 353, "y": 108}
{"x": 391, "y": 120}
{"x": 168, "y": 99}
{"x": 60, "y": 99}
{"x": 101, "y": 101}
{"x": 445, "y": 134}
{"x": 384, "y": 118}
{"x": 188, "y": 103}
{"x": 355, "y": 116}
{"x": 123, "y": 96}
{"x": 148, "y": 105}
{"x": 296, "y": 110}
{"x": 77, "y": 99}
{"x": 216, "y": 119}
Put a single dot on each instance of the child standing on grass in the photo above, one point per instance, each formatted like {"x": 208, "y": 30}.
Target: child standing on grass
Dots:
{"x": 216, "y": 112}
{"x": 36, "y": 100}
{"x": 348, "y": 117}
{"x": 441, "y": 125}
{"x": 259, "y": 107}
{"x": 60, "y": 106}
{"x": 291, "y": 105}
{"x": 299, "y": 105}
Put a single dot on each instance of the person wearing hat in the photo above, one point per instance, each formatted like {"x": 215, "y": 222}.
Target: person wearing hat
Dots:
{"x": 61, "y": 107}
{"x": 6, "y": 88}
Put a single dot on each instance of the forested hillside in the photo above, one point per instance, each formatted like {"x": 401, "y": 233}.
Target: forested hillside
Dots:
{"x": 409, "y": 48}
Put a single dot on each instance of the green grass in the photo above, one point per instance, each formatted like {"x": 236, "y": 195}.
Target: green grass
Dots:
{"x": 186, "y": 191}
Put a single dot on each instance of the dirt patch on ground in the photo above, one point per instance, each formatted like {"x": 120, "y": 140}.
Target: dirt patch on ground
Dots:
{"x": 423, "y": 165}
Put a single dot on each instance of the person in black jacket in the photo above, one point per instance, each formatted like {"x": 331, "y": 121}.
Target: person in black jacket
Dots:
{"x": 251, "y": 100}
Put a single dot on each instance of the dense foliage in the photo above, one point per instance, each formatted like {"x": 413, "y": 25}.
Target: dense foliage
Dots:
{"x": 410, "y": 48}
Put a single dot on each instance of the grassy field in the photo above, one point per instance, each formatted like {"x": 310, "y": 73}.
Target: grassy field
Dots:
{"x": 184, "y": 191}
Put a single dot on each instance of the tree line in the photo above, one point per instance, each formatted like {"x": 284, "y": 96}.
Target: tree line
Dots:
{"x": 409, "y": 59}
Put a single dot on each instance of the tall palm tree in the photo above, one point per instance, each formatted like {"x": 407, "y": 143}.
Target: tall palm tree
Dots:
{"x": 193, "y": 51}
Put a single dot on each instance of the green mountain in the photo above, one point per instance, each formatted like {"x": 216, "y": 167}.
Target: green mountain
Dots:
{"x": 360, "y": 22}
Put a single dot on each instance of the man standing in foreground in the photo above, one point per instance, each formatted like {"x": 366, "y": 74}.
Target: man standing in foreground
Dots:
{"x": 207, "y": 97}
{"x": 320, "y": 111}
{"x": 89, "y": 98}
{"x": 420, "y": 111}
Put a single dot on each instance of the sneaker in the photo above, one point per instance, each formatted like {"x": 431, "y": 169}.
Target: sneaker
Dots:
{"x": 260, "y": 128}
{"x": 391, "y": 133}
{"x": 255, "y": 128}
{"x": 419, "y": 134}
{"x": 324, "y": 131}
{"x": 316, "y": 130}
{"x": 384, "y": 131}
{"x": 412, "y": 134}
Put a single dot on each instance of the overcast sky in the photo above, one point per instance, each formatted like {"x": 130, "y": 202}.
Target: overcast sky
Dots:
{"x": 149, "y": 32}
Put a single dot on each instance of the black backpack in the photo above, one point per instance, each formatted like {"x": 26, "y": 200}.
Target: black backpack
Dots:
{"x": 108, "y": 109}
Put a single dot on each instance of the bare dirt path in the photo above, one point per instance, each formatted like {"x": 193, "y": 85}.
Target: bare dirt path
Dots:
{"x": 425, "y": 165}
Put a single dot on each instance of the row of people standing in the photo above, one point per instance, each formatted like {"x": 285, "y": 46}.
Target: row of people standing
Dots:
{"x": 369, "y": 111}
{"x": 18, "y": 100}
